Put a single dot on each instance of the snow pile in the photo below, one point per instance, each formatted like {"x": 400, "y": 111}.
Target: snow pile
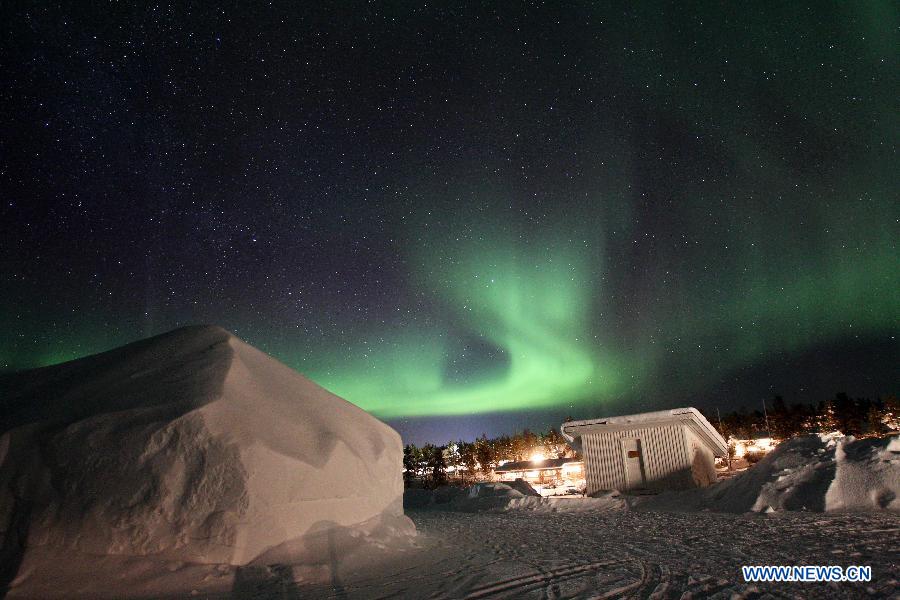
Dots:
{"x": 191, "y": 447}
{"x": 602, "y": 503}
{"x": 815, "y": 473}
{"x": 484, "y": 496}
{"x": 480, "y": 496}
{"x": 867, "y": 477}
{"x": 502, "y": 497}
{"x": 493, "y": 490}
{"x": 421, "y": 498}
{"x": 523, "y": 487}
{"x": 417, "y": 498}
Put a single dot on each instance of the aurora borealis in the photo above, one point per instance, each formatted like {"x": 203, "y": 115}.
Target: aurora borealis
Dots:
{"x": 464, "y": 220}
{"x": 511, "y": 333}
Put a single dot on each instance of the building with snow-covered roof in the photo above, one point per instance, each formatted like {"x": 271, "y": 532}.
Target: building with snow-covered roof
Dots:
{"x": 667, "y": 449}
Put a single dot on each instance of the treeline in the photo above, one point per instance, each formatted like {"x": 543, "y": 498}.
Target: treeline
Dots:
{"x": 850, "y": 416}
{"x": 466, "y": 462}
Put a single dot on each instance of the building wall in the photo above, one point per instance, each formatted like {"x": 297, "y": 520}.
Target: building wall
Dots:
{"x": 703, "y": 461}
{"x": 667, "y": 464}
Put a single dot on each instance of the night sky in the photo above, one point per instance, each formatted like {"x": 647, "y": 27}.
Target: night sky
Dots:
{"x": 468, "y": 219}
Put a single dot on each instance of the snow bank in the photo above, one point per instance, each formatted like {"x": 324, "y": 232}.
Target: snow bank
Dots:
{"x": 523, "y": 487}
{"x": 420, "y": 498}
{"x": 607, "y": 502}
{"x": 493, "y": 490}
{"x": 867, "y": 476}
{"x": 815, "y": 473}
{"x": 502, "y": 497}
{"x": 192, "y": 446}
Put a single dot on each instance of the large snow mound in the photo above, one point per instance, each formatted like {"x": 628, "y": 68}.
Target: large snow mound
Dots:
{"x": 191, "y": 446}
{"x": 814, "y": 473}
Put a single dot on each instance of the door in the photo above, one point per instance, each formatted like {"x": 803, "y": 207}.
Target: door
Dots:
{"x": 632, "y": 451}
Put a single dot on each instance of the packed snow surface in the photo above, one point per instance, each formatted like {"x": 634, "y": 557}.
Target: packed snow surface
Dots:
{"x": 614, "y": 554}
{"x": 813, "y": 501}
{"x": 190, "y": 448}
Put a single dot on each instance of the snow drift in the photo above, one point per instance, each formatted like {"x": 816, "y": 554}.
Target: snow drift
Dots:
{"x": 523, "y": 487}
{"x": 502, "y": 497}
{"x": 505, "y": 497}
{"x": 814, "y": 473}
{"x": 191, "y": 446}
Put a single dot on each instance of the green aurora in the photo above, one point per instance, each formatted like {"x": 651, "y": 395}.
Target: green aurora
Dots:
{"x": 524, "y": 319}
{"x": 589, "y": 212}
{"x": 531, "y": 303}
{"x": 548, "y": 305}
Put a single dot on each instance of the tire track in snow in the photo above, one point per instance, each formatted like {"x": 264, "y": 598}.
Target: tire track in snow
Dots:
{"x": 543, "y": 578}
{"x": 650, "y": 578}
{"x": 630, "y": 555}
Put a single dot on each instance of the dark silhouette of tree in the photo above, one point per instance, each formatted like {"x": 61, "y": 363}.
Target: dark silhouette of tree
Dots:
{"x": 412, "y": 464}
{"x": 874, "y": 420}
{"x": 452, "y": 458}
{"x": 824, "y": 418}
{"x": 786, "y": 422}
{"x": 554, "y": 443}
{"x": 844, "y": 413}
{"x": 484, "y": 453}
{"x": 798, "y": 417}
{"x": 468, "y": 459}
{"x": 779, "y": 422}
{"x": 732, "y": 450}
{"x": 434, "y": 465}
{"x": 518, "y": 447}
{"x": 503, "y": 448}
{"x": 890, "y": 414}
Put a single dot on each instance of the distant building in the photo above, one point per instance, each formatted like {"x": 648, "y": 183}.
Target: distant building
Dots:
{"x": 542, "y": 472}
{"x": 668, "y": 449}
{"x": 760, "y": 443}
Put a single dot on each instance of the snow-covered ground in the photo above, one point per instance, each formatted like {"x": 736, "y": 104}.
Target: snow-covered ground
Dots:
{"x": 813, "y": 501}
{"x": 622, "y": 553}
{"x": 599, "y": 550}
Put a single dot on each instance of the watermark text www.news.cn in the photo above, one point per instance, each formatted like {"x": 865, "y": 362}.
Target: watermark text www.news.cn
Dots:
{"x": 807, "y": 573}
